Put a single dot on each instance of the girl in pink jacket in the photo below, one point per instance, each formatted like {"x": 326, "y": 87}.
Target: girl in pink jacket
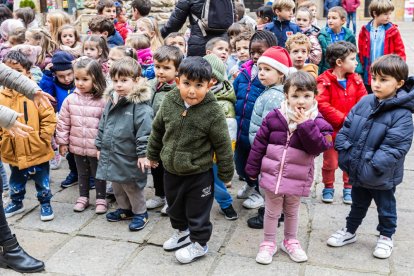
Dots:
{"x": 78, "y": 127}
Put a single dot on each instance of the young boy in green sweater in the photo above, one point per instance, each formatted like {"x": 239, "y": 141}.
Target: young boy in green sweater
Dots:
{"x": 187, "y": 129}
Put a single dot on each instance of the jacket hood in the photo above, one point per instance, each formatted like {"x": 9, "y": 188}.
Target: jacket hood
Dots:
{"x": 224, "y": 91}
{"x": 140, "y": 93}
{"x": 324, "y": 32}
{"x": 403, "y": 99}
{"x": 388, "y": 27}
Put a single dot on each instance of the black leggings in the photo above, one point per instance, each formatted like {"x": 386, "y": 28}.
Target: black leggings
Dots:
{"x": 5, "y": 233}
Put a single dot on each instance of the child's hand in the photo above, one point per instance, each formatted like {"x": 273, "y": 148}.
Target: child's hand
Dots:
{"x": 300, "y": 115}
{"x": 142, "y": 162}
{"x": 98, "y": 154}
{"x": 49, "y": 66}
{"x": 153, "y": 164}
{"x": 63, "y": 150}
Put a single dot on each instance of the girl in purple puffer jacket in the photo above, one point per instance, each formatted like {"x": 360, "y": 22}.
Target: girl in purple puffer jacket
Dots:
{"x": 283, "y": 152}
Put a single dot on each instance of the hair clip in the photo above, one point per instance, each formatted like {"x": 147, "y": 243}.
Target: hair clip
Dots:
{"x": 117, "y": 4}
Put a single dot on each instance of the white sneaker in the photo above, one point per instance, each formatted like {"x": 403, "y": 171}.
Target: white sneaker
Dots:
{"x": 177, "y": 240}
{"x": 294, "y": 250}
{"x": 266, "y": 252}
{"x": 384, "y": 247}
{"x": 254, "y": 201}
{"x": 55, "y": 162}
{"x": 155, "y": 202}
{"x": 164, "y": 209}
{"x": 245, "y": 192}
{"x": 191, "y": 252}
{"x": 341, "y": 238}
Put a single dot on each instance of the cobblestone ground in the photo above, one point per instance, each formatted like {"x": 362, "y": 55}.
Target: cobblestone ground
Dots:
{"x": 86, "y": 244}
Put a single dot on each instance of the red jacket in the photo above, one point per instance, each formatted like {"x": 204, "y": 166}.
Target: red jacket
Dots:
{"x": 350, "y": 5}
{"x": 334, "y": 102}
{"x": 393, "y": 44}
{"x": 122, "y": 29}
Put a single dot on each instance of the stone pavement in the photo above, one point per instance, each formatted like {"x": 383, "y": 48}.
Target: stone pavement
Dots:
{"x": 86, "y": 244}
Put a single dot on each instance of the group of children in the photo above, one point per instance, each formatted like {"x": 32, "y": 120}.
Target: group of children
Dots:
{"x": 257, "y": 103}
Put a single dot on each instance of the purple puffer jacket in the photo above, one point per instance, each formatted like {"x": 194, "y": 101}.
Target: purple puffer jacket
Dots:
{"x": 286, "y": 161}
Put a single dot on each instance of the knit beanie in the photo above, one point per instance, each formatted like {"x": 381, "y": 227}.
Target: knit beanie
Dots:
{"x": 219, "y": 69}
{"x": 30, "y": 51}
{"x": 145, "y": 56}
{"x": 9, "y": 26}
{"x": 62, "y": 61}
{"x": 279, "y": 59}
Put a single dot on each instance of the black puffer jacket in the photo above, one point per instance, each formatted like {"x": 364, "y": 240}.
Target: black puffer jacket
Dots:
{"x": 183, "y": 9}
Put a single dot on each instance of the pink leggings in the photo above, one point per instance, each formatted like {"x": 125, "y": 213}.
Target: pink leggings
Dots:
{"x": 274, "y": 205}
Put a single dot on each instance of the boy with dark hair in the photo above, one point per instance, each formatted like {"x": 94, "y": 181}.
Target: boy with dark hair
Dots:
{"x": 106, "y": 8}
{"x": 140, "y": 8}
{"x": 102, "y": 25}
{"x": 186, "y": 131}
{"x": 116, "y": 12}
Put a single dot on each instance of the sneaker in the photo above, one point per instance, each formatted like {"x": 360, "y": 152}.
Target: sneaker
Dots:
{"x": 257, "y": 221}
{"x": 178, "y": 240}
{"x": 119, "y": 214}
{"x": 101, "y": 206}
{"x": 384, "y": 247}
{"x": 55, "y": 162}
{"x": 341, "y": 238}
{"x": 266, "y": 251}
{"x": 13, "y": 208}
{"x": 347, "y": 199}
{"x": 70, "y": 180}
{"x": 81, "y": 204}
{"x": 109, "y": 189}
{"x": 46, "y": 212}
{"x": 155, "y": 202}
{"x": 164, "y": 209}
{"x": 229, "y": 213}
{"x": 245, "y": 192}
{"x": 92, "y": 183}
{"x": 254, "y": 201}
{"x": 191, "y": 252}
{"x": 294, "y": 250}
{"x": 328, "y": 195}
{"x": 138, "y": 222}
{"x": 280, "y": 220}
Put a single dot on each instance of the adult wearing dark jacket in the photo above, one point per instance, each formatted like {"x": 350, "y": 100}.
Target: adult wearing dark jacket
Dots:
{"x": 196, "y": 42}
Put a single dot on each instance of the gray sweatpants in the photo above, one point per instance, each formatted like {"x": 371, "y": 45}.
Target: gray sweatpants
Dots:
{"x": 130, "y": 197}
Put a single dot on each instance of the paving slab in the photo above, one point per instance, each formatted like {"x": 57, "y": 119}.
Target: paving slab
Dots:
{"x": 402, "y": 255}
{"x": 311, "y": 270}
{"x": 29, "y": 206}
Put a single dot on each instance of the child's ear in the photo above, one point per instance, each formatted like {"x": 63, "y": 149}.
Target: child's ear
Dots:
{"x": 210, "y": 84}
{"x": 208, "y": 52}
{"x": 400, "y": 84}
{"x": 152, "y": 34}
{"x": 105, "y": 34}
{"x": 339, "y": 62}
{"x": 177, "y": 80}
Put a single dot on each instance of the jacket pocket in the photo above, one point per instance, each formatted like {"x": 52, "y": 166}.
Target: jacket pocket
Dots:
{"x": 183, "y": 163}
{"x": 370, "y": 176}
{"x": 344, "y": 157}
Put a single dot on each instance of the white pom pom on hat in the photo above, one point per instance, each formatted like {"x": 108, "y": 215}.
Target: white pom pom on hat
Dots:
{"x": 279, "y": 59}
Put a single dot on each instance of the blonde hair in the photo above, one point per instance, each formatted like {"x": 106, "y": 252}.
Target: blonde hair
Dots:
{"x": 46, "y": 42}
{"x": 152, "y": 25}
{"x": 298, "y": 38}
{"x": 138, "y": 41}
{"x": 57, "y": 19}
{"x": 283, "y": 4}
{"x": 378, "y": 7}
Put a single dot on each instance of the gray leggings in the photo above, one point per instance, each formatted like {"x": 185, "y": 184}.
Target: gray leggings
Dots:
{"x": 86, "y": 167}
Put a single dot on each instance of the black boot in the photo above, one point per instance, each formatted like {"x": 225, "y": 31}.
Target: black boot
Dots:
{"x": 257, "y": 221}
{"x": 14, "y": 257}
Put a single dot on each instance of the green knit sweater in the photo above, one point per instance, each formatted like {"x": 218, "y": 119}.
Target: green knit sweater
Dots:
{"x": 186, "y": 139}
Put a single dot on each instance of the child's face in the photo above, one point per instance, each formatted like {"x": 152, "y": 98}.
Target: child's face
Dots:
{"x": 83, "y": 81}
{"x": 242, "y": 50}
{"x": 284, "y": 14}
{"x": 68, "y": 37}
{"x": 303, "y": 20}
{"x": 65, "y": 77}
{"x": 17, "y": 67}
{"x": 103, "y": 34}
{"x": 221, "y": 49}
{"x": 312, "y": 10}
{"x": 124, "y": 85}
{"x": 268, "y": 75}
{"x": 91, "y": 50}
{"x": 383, "y": 18}
{"x": 178, "y": 42}
{"x": 385, "y": 87}
{"x": 165, "y": 71}
{"x": 114, "y": 55}
{"x": 30, "y": 40}
{"x": 349, "y": 64}
{"x": 257, "y": 49}
{"x": 143, "y": 29}
{"x": 335, "y": 22}
{"x": 231, "y": 40}
{"x": 300, "y": 101}
{"x": 299, "y": 54}
{"x": 192, "y": 91}
{"x": 109, "y": 12}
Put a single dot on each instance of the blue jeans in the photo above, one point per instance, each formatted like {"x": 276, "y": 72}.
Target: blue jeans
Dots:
{"x": 221, "y": 195}
{"x": 386, "y": 207}
{"x": 351, "y": 16}
{"x": 4, "y": 177}
{"x": 40, "y": 175}
{"x": 240, "y": 159}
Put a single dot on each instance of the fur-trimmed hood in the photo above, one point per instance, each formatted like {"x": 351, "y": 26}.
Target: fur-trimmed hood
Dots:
{"x": 141, "y": 92}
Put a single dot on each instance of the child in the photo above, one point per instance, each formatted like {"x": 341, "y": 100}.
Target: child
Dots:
{"x": 241, "y": 43}
{"x": 303, "y": 19}
{"x": 120, "y": 52}
{"x": 233, "y": 31}
{"x": 141, "y": 43}
{"x": 178, "y": 40}
{"x": 12, "y": 32}
{"x": 334, "y": 32}
{"x": 167, "y": 59}
{"x": 248, "y": 88}
{"x": 31, "y": 52}
{"x": 69, "y": 40}
{"x": 289, "y": 139}
{"x": 264, "y": 16}
{"x": 121, "y": 20}
{"x": 95, "y": 47}
{"x": 27, "y": 16}
{"x": 40, "y": 37}
{"x": 54, "y": 20}
{"x": 282, "y": 26}
{"x": 387, "y": 38}
{"x": 188, "y": 159}
{"x": 78, "y": 127}
{"x": 243, "y": 18}
{"x": 149, "y": 27}
{"x": 372, "y": 145}
{"x": 299, "y": 46}
{"x": 27, "y": 155}
{"x": 127, "y": 120}
{"x": 340, "y": 89}
{"x": 102, "y": 25}
{"x": 140, "y": 8}
{"x": 218, "y": 46}
{"x": 311, "y": 6}
{"x": 350, "y": 7}
{"x": 106, "y": 8}
{"x": 224, "y": 93}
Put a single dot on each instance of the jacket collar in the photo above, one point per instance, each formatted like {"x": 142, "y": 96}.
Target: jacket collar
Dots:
{"x": 387, "y": 26}
{"x": 403, "y": 99}
{"x": 141, "y": 93}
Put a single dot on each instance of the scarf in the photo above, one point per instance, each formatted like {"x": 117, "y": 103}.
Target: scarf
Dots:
{"x": 289, "y": 114}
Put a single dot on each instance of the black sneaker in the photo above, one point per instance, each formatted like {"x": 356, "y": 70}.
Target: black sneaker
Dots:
{"x": 257, "y": 221}
{"x": 229, "y": 213}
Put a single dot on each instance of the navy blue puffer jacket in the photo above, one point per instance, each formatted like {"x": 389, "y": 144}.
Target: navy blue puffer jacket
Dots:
{"x": 375, "y": 138}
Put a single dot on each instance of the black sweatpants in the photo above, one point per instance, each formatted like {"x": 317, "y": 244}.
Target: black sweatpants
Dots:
{"x": 190, "y": 199}
{"x": 71, "y": 162}
{"x": 158, "y": 179}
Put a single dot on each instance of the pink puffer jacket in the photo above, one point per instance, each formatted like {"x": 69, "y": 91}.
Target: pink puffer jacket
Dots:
{"x": 78, "y": 123}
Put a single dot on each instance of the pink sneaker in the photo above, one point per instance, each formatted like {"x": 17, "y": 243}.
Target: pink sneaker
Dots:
{"x": 81, "y": 204}
{"x": 266, "y": 251}
{"x": 101, "y": 206}
{"x": 294, "y": 250}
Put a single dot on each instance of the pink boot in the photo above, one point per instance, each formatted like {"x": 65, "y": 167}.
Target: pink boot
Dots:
{"x": 81, "y": 204}
{"x": 101, "y": 206}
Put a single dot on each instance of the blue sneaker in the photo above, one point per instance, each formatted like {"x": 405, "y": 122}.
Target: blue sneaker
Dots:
{"x": 46, "y": 212}
{"x": 138, "y": 222}
{"x": 347, "y": 199}
{"x": 328, "y": 195}
{"x": 119, "y": 214}
{"x": 70, "y": 180}
{"x": 13, "y": 208}
{"x": 92, "y": 183}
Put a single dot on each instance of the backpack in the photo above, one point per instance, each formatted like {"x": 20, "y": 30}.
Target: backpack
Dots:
{"x": 216, "y": 16}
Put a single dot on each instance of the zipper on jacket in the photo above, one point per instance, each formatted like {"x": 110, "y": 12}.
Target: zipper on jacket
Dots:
{"x": 282, "y": 163}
